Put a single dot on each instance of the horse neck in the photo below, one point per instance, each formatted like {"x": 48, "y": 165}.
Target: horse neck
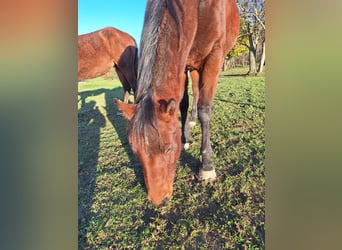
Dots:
{"x": 170, "y": 60}
{"x": 164, "y": 49}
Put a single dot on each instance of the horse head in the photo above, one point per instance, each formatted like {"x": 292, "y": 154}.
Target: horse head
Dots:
{"x": 155, "y": 138}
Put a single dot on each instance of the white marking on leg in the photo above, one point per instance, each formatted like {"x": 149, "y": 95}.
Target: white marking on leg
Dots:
{"x": 192, "y": 124}
{"x": 186, "y": 146}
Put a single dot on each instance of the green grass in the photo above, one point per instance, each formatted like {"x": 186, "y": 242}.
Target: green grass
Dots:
{"x": 229, "y": 214}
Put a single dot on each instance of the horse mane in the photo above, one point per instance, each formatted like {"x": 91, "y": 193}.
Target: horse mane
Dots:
{"x": 149, "y": 40}
{"x": 145, "y": 127}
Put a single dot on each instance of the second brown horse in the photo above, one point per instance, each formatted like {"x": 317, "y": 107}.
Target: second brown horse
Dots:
{"x": 101, "y": 50}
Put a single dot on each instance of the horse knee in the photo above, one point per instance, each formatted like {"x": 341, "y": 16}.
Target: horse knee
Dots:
{"x": 204, "y": 114}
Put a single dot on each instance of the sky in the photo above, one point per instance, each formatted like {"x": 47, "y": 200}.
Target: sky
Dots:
{"x": 125, "y": 15}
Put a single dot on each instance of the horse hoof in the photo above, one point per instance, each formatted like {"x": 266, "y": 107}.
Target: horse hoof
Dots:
{"x": 207, "y": 176}
{"x": 192, "y": 124}
{"x": 186, "y": 146}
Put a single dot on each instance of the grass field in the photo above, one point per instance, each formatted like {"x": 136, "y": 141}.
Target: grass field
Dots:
{"x": 114, "y": 212}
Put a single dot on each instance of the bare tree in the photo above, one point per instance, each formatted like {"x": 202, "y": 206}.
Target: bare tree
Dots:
{"x": 253, "y": 14}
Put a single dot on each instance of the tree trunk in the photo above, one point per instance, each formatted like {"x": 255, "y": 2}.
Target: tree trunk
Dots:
{"x": 252, "y": 63}
{"x": 262, "y": 60}
{"x": 225, "y": 65}
{"x": 252, "y": 57}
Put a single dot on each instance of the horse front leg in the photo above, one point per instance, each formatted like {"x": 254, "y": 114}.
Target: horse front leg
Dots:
{"x": 208, "y": 83}
{"x": 207, "y": 170}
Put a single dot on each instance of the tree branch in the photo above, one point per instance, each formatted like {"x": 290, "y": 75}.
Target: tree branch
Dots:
{"x": 257, "y": 17}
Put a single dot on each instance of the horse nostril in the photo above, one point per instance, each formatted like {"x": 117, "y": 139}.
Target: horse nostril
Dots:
{"x": 165, "y": 201}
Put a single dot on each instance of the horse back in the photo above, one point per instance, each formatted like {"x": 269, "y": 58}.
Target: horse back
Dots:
{"x": 99, "y": 51}
{"x": 116, "y": 42}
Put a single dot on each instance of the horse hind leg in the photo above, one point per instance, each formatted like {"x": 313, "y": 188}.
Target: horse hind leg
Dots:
{"x": 184, "y": 106}
{"x": 125, "y": 84}
{"x": 195, "y": 90}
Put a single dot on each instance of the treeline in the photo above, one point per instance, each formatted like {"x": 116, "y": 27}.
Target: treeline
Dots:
{"x": 250, "y": 46}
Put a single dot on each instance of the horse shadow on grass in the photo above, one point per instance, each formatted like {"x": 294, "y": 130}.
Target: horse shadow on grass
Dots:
{"x": 120, "y": 125}
{"x": 90, "y": 122}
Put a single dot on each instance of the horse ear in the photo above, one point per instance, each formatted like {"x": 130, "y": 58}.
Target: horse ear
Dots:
{"x": 171, "y": 106}
{"x": 167, "y": 107}
{"x": 126, "y": 109}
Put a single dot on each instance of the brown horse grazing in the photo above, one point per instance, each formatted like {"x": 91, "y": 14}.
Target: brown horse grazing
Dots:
{"x": 177, "y": 35}
{"x": 109, "y": 47}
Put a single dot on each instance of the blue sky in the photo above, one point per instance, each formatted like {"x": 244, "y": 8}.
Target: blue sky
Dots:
{"x": 125, "y": 15}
